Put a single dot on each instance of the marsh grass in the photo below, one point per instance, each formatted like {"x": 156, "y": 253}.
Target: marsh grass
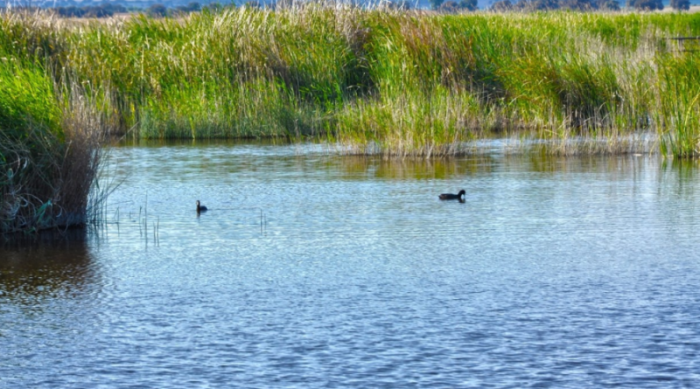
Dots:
{"x": 399, "y": 83}
{"x": 51, "y": 142}
{"x": 49, "y": 180}
{"x": 679, "y": 117}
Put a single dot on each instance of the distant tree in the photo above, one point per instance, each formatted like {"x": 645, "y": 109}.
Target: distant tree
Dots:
{"x": 435, "y": 4}
{"x": 96, "y": 12}
{"x": 608, "y": 5}
{"x": 501, "y": 6}
{"x": 536, "y": 5}
{"x": 112, "y": 8}
{"x": 589, "y": 5}
{"x": 91, "y": 11}
{"x": 646, "y": 5}
{"x": 185, "y": 9}
{"x": 70, "y": 12}
{"x": 397, "y": 5}
{"x": 578, "y": 5}
{"x": 213, "y": 7}
{"x": 194, "y": 7}
{"x": 449, "y": 6}
{"x": 157, "y": 10}
{"x": 545, "y": 5}
{"x": 103, "y": 10}
{"x": 469, "y": 5}
{"x": 680, "y": 5}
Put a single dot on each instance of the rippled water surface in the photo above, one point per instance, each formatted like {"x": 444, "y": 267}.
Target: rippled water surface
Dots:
{"x": 313, "y": 270}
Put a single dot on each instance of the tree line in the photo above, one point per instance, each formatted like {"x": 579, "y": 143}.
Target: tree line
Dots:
{"x": 106, "y": 9}
{"x": 450, "y": 6}
{"x": 548, "y": 5}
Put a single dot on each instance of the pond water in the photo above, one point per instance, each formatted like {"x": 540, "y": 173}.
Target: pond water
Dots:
{"x": 315, "y": 270}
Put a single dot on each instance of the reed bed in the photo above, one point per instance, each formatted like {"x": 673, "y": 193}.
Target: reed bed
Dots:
{"x": 399, "y": 83}
{"x": 51, "y": 139}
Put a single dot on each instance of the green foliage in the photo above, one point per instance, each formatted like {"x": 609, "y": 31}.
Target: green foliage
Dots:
{"x": 608, "y": 5}
{"x": 548, "y": 5}
{"x": 49, "y": 150}
{"x": 157, "y": 10}
{"x": 502, "y": 6}
{"x": 452, "y": 6}
{"x": 397, "y": 80}
{"x": 681, "y": 5}
{"x": 645, "y": 5}
{"x": 435, "y": 4}
{"x": 679, "y": 115}
{"x": 469, "y": 5}
{"x": 537, "y": 5}
{"x": 90, "y": 11}
{"x": 449, "y": 6}
{"x": 26, "y": 98}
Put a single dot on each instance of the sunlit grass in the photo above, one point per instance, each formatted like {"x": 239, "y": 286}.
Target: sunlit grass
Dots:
{"x": 393, "y": 82}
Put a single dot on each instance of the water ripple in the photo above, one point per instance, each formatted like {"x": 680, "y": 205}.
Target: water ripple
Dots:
{"x": 317, "y": 271}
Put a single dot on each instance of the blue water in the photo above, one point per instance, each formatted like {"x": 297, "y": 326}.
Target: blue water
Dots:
{"x": 312, "y": 270}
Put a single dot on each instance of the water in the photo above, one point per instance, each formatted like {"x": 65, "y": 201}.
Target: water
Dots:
{"x": 312, "y": 270}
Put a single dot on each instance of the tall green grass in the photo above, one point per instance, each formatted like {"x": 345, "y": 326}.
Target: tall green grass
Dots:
{"x": 50, "y": 141}
{"x": 679, "y": 117}
{"x": 394, "y": 82}
{"x": 26, "y": 88}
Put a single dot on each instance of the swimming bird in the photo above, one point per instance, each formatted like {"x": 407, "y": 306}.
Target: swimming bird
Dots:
{"x": 450, "y": 196}
{"x": 201, "y": 208}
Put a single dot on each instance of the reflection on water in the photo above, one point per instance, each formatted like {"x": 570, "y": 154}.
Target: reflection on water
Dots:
{"x": 312, "y": 270}
{"x": 46, "y": 266}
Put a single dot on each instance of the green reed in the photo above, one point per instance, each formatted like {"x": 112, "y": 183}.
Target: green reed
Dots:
{"x": 400, "y": 83}
{"x": 679, "y": 117}
{"x": 50, "y": 138}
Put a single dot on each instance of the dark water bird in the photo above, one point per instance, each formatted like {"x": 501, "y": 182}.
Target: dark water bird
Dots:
{"x": 201, "y": 208}
{"x": 450, "y": 196}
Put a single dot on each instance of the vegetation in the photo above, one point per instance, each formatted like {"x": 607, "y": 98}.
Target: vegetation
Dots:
{"x": 395, "y": 82}
{"x": 107, "y": 9}
{"x": 681, "y": 5}
{"x": 549, "y": 5}
{"x": 157, "y": 10}
{"x": 451, "y": 6}
{"x": 90, "y": 11}
{"x": 50, "y": 141}
{"x": 645, "y": 5}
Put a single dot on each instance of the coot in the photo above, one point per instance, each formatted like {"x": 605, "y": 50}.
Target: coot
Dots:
{"x": 450, "y": 196}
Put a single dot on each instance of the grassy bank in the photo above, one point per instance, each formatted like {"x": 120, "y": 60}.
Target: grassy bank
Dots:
{"x": 392, "y": 82}
{"x": 49, "y": 150}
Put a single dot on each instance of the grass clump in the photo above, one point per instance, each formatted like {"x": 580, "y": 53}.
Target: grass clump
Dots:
{"x": 50, "y": 147}
{"x": 26, "y": 88}
{"x": 679, "y": 117}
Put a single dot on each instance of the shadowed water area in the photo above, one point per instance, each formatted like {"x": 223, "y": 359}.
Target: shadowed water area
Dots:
{"x": 314, "y": 270}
